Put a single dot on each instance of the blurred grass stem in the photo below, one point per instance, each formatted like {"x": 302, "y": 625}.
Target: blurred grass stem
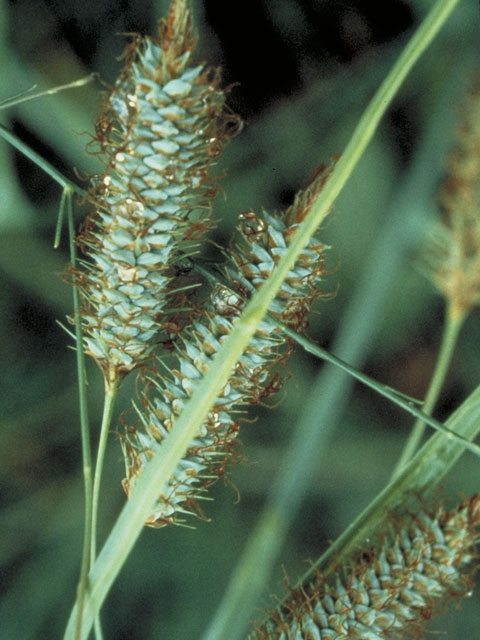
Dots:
{"x": 454, "y": 319}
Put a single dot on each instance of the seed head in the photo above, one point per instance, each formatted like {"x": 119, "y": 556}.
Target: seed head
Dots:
{"x": 391, "y": 589}
{"x": 453, "y": 252}
{"x": 163, "y": 125}
{"x": 265, "y": 240}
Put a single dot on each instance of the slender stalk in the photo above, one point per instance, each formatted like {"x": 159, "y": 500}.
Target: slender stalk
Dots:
{"x": 24, "y": 97}
{"x": 111, "y": 391}
{"x": 454, "y": 319}
{"x": 84, "y": 423}
{"x": 39, "y": 161}
{"x": 66, "y": 193}
{"x": 384, "y": 390}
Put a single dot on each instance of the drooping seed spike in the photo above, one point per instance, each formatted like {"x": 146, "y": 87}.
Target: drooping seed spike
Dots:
{"x": 257, "y": 374}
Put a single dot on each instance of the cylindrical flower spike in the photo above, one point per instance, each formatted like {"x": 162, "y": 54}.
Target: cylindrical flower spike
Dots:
{"x": 266, "y": 239}
{"x": 393, "y": 588}
{"x": 163, "y": 126}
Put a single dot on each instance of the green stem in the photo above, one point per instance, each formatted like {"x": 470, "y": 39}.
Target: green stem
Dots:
{"x": 156, "y": 473}
{"x": 91, "y": 493}
{"x": 111, "y": 391}
{"x": 24, "y": 97}
{"x": 453, "y": 323}
{"x": 384, "y": 390}
{"x": 84, "y": 423}
{"x": 39, "y": 161}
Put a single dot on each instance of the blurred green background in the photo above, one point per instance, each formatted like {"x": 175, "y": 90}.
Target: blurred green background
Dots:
{"x": 300, "y": 74}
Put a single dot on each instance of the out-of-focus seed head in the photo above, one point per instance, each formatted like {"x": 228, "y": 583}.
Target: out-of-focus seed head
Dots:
{"x": 453, "y": 250}
{"x": 389, "y": 591}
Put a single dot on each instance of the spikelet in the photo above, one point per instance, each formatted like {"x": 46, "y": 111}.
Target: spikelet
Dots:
{"x": 391, "y": 590}
{"x": 265, "y": 241}
{"x": 453, "y": 253}
{"x": 163, "y": 126}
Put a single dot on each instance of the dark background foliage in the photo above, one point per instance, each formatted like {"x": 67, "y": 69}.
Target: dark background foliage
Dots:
{"x": 300, "y": 74}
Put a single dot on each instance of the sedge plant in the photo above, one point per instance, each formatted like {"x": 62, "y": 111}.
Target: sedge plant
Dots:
{"x": 206, "y": 339}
